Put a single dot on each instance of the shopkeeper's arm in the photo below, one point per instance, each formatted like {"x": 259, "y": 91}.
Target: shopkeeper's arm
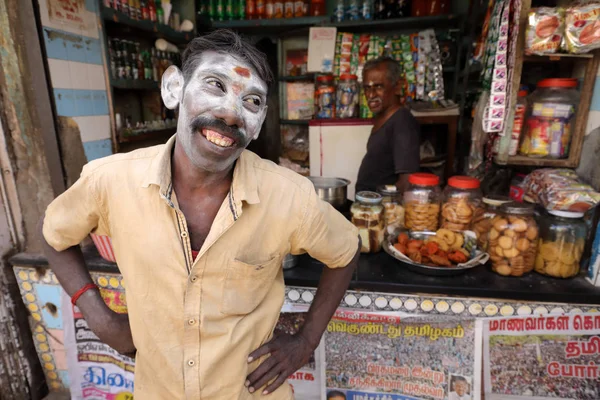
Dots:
{"x": 327, "y": 236}
{"x": 67, "y": 222}
{"x": 402, "y": 182}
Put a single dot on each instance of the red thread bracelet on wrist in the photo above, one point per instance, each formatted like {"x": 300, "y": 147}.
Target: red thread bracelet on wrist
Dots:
{"x": 81, "y": 291}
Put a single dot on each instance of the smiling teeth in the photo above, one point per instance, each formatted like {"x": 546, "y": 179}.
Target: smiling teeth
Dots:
{"x": 218, "y": 139}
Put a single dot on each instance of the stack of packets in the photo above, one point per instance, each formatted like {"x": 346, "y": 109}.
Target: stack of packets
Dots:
{"x": 421, "y": 67}
{"x": 574, "y": 29}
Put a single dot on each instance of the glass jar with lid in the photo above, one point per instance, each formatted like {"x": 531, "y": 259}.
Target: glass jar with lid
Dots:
{"x": 422, "y": 202}
{"x": 482, "y": 220}
{"x": 513, "y": 240}
{"x": 562, "y": 239}
{"x": 393, "y": 211}
{"x": 325, "y": 97}
{"x": 461, "y": 199}
{"x": 550, "y": 120}
{"x": 347, "y": 96}
{"x": 367, "y": 216}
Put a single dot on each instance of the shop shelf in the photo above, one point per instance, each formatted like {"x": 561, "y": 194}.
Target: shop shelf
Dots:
{"x": 298, "y": 78}
{"x": 159, "y": 30}
{"x": 131, "y": 84}
{"x": 396, "y": 24}
{"x": 294, "y": 121}
{"x": 278, "y": 24}
{"x": 160, "y": 133}
{"x": 542, "y": 162}
{"x": 556, "y": 57}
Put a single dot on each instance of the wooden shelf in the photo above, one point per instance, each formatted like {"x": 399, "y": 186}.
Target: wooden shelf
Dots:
{"x": 271, "y": 24}
{"x": 556, "y": 57}
{"x": 294, "y": 122}
{"x": 542, "y": 162}
{"x": 156, "y": 134}
{"x": 131, "y": 84}
{"x": 298, "y": 78}
{"x": 396, "y": 24}
{"x": 158, "y": 30}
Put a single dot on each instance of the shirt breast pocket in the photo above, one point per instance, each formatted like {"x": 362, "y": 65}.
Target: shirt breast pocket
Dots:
{"x": 246, "y": 285}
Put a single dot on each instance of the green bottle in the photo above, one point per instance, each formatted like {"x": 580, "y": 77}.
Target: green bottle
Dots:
{"x": 210, "y": 9}
{"x": 220, "y": 10}
{"x": 229, "y": 9}
{"x": 241, "y": 9}
{"x": 160, "y": 14}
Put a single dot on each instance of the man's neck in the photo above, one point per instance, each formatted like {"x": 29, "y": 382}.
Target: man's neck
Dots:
{"x": 383, "y": 116}
{"x": 188, "y": 177}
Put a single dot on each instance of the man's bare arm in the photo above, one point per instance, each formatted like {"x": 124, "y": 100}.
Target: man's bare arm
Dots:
{"x": 402, "y": 182}
{"x": 288, "y": 353}
{"x": 72, "y": 273}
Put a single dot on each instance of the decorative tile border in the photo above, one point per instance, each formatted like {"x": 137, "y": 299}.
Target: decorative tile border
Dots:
{"x": 436, "y": 305}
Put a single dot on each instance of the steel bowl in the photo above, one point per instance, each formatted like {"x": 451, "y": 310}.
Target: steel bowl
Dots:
{"x": 332, "y": 190}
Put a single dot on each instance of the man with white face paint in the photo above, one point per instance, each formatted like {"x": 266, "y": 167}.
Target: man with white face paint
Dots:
{"x": 199, "y": 228}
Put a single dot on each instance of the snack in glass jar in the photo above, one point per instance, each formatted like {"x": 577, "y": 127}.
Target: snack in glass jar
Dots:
{"x": 482, "y": 219}
{"x": 561, "y": 244}
{"x": 422, "y": 202}
{"x": 513, "y": 240}
{"x": 462, "y": 198}
{"x": 367, "y": 216}
{"x": 393, "y": 211}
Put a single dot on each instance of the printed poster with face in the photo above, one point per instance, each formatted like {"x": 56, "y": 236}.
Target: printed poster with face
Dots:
{"x": 96, "y": 371}
{"x": 543, "y": 356}
{"x": 375, "y": 356}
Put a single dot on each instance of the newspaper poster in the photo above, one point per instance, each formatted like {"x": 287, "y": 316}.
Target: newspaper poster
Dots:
{"x": 540, "y": 357}
{"x": 96, "y": 371}
{"x": 307, "y": 382}
{"x": 371, "y": 356}
{"x": 69, "y": 12}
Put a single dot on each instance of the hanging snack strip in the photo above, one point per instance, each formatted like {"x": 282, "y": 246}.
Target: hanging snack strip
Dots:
{"x": 346, "y": 53}
{"x": 434, "y": 79}
{"x": 494, "y": 121}
{"x": 408, "y": 67}
{"x": 490, "y": 47}
{"x": 512, "y": 54}
{"x": 424, "y": 48}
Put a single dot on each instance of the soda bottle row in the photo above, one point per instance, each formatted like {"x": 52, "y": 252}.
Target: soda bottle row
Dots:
{"x": 128, "y": 61}
{"x": 144, "y": 10}
{"x": 222, "y": 10}
{"x": 356, "y": 10}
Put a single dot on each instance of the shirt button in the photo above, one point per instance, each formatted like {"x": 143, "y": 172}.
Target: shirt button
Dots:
{"x": 191, "y": 322}
{"x": 194, "y": 278}
{"x": 184, "y": 234}
{"x": 191, "y": 363}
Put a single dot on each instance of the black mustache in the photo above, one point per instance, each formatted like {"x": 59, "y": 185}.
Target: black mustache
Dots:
{"x": 218, "y": 125}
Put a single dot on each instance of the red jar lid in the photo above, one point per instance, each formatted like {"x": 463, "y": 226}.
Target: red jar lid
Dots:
{"x": 558, "y": 82}
{"x": 522, "y": 93}
{"x": 346, "y": 77}
{"x": 422, "y": 178}
{"x": 464, "y": 182}
{"x": 324, "y": 78}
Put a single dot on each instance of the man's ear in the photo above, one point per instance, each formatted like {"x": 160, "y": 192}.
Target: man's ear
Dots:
{"x": 262, "y": 120}
{"x": 399, "y": 88}
{"x": 171, "y": 88}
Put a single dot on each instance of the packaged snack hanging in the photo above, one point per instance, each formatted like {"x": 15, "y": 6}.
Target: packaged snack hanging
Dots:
{"x": 550, "y": 119}
{"x": 562, "y": 239}
{"x": 513, "y": 240}
{"x": 518, "y": 122}
{"x": 347, "y": 96}
{"x": 367, "y": 216}
{"x": 422, "y": 202}
{"x": 545, "y": 28}
{"x": 462, "y": 198}
{"x": 325, "y": 97}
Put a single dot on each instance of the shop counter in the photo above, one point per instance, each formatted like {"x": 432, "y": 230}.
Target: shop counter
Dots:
{"x": 380, "y": 284}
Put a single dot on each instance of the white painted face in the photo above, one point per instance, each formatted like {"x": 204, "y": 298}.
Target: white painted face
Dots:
{"x": 221, "y": 109}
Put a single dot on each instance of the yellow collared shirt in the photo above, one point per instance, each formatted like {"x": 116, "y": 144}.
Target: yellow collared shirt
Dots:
{"x": 195, "y": 321}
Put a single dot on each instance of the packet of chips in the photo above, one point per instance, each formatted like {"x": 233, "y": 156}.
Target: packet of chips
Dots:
{"x": 582, "y": 28}
{"x": 545, "y": 27}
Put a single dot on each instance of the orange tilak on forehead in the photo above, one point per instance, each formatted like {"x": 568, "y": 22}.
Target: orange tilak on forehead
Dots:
{"x": 241, "y": 71}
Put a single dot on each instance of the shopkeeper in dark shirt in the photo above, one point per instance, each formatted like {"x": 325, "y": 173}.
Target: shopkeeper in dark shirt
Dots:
{"x": 393, "y": 147}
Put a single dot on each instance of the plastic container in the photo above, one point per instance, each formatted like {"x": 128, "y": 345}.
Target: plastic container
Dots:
{"x": 367, "y": 216}
{"x": 518, "y": 122}
{"x": 347, "y": 96}
{"x": 317, "y": 8}
{"x": 422, "y": 202}
{"x": 482, "y": 220}
{"x": 550, "y": 120}
{"x": 393, "y": 211}
{"x": 461, "y": 201}
{"x": 288, "y": 9}
{"x": 340, "y": 10}
{"x": 299, "y": 9}
{"x": 325, "y": 97}
{"x": 513, "y": 240}
{"x": 562, "y": 239}
{"x": 353, "y": 10}
{"x": 278, "y": 9}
